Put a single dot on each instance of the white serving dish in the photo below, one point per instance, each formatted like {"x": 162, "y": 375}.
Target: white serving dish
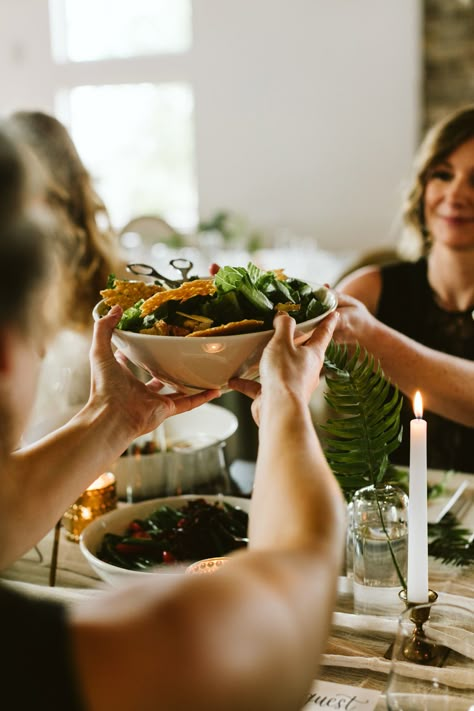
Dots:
{"x": 191, "y": 364}
{"x": 182, "y": 470}
{"x": 117, "y": 521}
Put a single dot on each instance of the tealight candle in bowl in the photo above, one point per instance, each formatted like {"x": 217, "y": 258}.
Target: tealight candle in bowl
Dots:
{"x": 207, "y": 565}
{"x": 99, "y": 498}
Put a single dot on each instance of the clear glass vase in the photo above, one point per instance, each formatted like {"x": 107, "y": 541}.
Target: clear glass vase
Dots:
{"x": 349, "y": 553}
{"x": 379, "y": 548}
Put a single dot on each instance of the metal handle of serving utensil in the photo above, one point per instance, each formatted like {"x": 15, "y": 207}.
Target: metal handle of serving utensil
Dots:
{"x": 184, "y": 266}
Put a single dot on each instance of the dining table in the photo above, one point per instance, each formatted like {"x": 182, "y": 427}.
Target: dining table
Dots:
{"x": 356, "y": 651}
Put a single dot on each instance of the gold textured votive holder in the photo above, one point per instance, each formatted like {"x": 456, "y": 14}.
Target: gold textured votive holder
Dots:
{"x": 207, "y": 565}
{"x": 99, "y": 498}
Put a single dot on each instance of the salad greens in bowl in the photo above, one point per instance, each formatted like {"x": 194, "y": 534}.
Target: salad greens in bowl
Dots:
{"x": 163, "y": 536}
{"x": 206, "y": 331}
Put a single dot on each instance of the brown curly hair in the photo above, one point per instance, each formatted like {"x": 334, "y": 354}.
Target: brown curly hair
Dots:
{"x": 86, "y": 243}
{"x": 440, "y": 141}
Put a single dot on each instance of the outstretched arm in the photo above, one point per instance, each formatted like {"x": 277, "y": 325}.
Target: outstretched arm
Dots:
{"x": 41, "y": 481}
{"x": 249, "y": 636}
{"x": 364, "y": 284}
{"x": 447, "y": 382}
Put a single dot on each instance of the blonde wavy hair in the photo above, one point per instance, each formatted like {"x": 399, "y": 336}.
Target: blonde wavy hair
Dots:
{"x": 87, "y": 245}
{"x": 440, "y": 141}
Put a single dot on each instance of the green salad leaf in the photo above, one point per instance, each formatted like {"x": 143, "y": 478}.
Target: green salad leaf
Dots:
{"x": 131, "y": 319}
{"x": 245, "y": 282}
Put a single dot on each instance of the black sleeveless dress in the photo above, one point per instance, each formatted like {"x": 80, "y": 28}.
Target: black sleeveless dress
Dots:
{"x": 407, "y": 304}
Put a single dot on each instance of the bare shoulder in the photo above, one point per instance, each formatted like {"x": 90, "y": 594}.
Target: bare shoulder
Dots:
{"x": 364, "y": 284}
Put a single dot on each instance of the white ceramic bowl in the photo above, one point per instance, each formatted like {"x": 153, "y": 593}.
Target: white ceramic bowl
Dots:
{"x": 182, "y": 470}
{"x": 209, "y": 362}
{"x": 117, "y": 521}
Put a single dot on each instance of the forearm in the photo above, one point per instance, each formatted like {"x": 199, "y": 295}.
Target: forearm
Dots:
{"x": 446, "y": 382}
{"x": 43, "y": 480}
{"x": 296, "y": 500}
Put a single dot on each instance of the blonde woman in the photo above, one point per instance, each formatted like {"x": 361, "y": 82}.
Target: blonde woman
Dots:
{"x": 431, "y": 299}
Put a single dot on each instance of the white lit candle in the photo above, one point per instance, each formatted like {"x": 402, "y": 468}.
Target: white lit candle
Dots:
{"x": 418, "y": 509}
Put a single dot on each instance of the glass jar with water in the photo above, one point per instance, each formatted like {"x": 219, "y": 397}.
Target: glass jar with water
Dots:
{"x": 379, "y": 541}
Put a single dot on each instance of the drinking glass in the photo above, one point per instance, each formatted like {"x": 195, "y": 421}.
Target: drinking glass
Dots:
{"x": 443, "y": 679}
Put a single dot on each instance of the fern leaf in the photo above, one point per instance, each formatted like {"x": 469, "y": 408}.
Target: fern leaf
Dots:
{"x": 367, "y": 430}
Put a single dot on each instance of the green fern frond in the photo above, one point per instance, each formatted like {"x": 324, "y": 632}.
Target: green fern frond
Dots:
{"x": 451, "y": 542}
{"x": 367, "y": 430}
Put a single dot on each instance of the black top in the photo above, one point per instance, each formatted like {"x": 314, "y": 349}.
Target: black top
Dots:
{"x": 37, "y": 669}
{"x": 407, "y": 304}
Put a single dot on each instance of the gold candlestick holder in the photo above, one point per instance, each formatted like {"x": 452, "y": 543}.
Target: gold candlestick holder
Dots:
{"x": 98, "y": 499}
{"x": 417, "y": 648}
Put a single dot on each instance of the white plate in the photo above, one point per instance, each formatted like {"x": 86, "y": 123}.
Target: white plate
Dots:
{"x": 438, "y": 505}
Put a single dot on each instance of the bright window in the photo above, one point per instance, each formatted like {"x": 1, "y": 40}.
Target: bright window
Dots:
{"x": 136, "y": 137}
{"x": 86, "y": 30}
{"x": 137, "y": 141}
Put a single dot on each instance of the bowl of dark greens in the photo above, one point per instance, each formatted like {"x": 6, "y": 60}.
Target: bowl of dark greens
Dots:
{"x": 206, "y": 331}
{"x": 164, "y": 536}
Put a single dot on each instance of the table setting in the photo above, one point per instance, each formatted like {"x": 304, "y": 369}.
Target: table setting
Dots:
{"x": 356, "y": 649}
{"x": 404, "y": 612}
{"x": 355, "y": 656}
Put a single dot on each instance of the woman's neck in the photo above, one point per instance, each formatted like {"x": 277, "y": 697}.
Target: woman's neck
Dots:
{"x": 451, "y": 276}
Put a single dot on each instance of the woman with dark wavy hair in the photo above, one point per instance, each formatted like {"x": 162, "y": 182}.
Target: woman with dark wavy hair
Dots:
{"x": 431, "y": 299}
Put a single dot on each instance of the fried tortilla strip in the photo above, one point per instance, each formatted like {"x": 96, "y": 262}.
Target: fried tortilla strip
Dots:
{"x": 290, "y": 306}
{"x": 228, "y": 329}
{"x": 197, "y": 287}
{"x": 159, "y": 328}
{"x": 127, "y": 293}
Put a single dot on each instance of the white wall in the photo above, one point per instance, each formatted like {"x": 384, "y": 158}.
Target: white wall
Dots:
{"x": 307, "y": 111}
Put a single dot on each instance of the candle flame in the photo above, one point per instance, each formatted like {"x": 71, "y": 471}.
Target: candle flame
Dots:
{"x": 102, "y": 481}
{"x": 418, "y": 405}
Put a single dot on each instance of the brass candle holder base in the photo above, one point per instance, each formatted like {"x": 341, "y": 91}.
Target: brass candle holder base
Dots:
{"x": 417, "y": 648}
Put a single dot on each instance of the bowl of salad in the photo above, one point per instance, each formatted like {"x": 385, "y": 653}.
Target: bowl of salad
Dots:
{"x": 206, "y": 331}
{"x": 164, "y": 536}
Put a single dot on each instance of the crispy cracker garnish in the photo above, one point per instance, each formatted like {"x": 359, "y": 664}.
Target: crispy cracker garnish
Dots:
{"x": 197, "y": 287}
{"x": 159, "y": 328}
{"x": 127, "y": 293}
{"x": 228, "y": 329}
{"x": 288, "y": 306}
